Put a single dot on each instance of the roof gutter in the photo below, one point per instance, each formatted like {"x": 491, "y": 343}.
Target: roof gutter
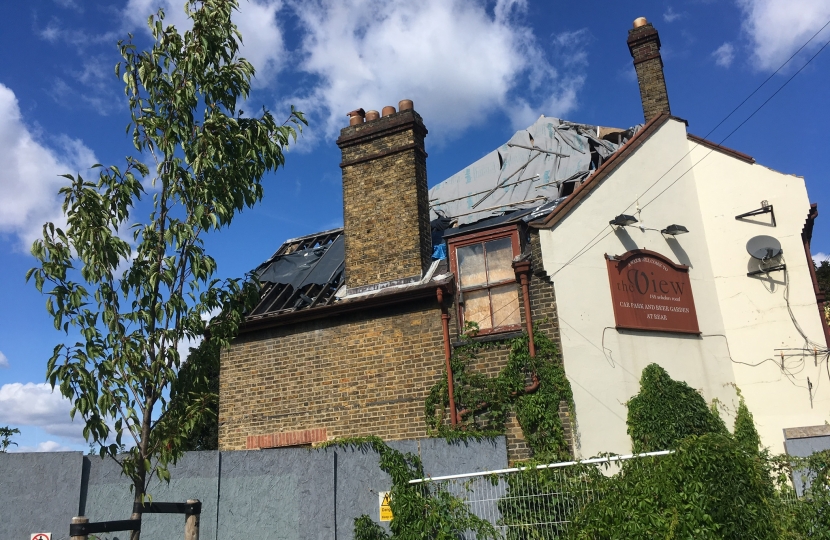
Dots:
{"x": 381, "y": 299}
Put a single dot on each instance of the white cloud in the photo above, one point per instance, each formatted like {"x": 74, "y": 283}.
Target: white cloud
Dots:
{"x": 724, "y": 55}
{"x": 257, "y": 20}
{"x": 70, "y": 4}
{"x": 671, "y": 15}
{"x": 29, "y": 181}
{"x": 777, "y": 28}
{"x": 46, "y": 446}
{"x": 455, "y": 59}
{"x": 4, "y": 362}
{"x": 33, "y": 404}
{"x": 819, "y": 257}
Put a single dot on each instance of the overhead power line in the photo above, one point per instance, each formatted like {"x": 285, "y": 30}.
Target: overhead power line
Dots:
{"x": 600, "y": 236}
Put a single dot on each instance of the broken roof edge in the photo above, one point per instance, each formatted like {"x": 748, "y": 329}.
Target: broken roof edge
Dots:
{"x": 312, "y": 235}
{"x": 383, "y": 297}
{"x": 609, "y": 166}
{"x": 720, "y": 148}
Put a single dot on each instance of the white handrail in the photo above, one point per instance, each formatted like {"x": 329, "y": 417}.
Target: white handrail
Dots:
{"x": 608, "y": 459}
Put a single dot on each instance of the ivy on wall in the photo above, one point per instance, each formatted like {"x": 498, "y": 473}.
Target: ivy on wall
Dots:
{"x": 483, "y": 403}
{"x": 422, "y": 510}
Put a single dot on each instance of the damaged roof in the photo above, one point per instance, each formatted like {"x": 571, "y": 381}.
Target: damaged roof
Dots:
{"x": 536, "y": 166}
{"x": 525, "y": 178}
{"x": 303, "y": 273}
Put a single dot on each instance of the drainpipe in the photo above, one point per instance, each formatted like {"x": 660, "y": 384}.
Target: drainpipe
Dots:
{"x": 445, "y": 322}
{"x": 522, "y": 269}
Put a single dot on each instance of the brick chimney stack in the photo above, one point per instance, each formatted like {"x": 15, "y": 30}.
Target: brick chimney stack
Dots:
{"x": 385, "y": 199}
{"x": 644, "y": 44}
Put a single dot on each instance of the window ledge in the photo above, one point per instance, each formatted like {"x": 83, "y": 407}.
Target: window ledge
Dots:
{"x": 488, "y": 338}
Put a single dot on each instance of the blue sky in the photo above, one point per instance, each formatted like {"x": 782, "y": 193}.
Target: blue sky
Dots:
{"x": 477, "y": 71}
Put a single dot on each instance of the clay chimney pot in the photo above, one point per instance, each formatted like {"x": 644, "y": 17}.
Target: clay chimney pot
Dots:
{"x": 405, "y": 105}
{"x": 356, "y": 117}
{"x": 386, "y": 111}
{"x": 640, "y": 21}
{"x": 372, "y": 115}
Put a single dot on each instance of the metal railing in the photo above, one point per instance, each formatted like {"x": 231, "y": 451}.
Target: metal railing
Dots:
{"x": 529, "y": 502}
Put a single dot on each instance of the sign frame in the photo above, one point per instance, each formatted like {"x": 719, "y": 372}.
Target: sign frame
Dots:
{"x": 649, "y": 301}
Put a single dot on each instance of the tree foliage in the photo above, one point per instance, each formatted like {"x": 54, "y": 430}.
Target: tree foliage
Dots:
{"x": 823, "y": 278}
{"x": 6, "y": 434}
{"x": 197, "y": 386}
{"x": 666, "y": 411}
{"x": 133, "y": 301}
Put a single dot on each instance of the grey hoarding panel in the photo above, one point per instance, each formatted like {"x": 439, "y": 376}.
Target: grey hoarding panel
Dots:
{"x": 802, "y": 448}
{"x": 281, "y": 493}
{"x": 195, "y": 476}
{"x": 38, "y": 493}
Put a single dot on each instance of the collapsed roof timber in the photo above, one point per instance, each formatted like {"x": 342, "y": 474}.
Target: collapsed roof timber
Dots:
{"x": 523, "y": 179}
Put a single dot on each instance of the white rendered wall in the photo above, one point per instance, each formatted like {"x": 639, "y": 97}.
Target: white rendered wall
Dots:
{"x": 754, "y": 310}
{"x": 602, "y": 363}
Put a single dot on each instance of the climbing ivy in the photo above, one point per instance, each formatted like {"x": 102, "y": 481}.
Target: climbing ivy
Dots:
{"x": 745, "y": 433}
{"x": 422, "y": 510}
{"x": 666, "y": 411}
{"x": 484, "y": 402}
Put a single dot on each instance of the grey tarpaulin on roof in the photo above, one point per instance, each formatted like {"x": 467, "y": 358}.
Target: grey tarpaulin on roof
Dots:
{"x": 524, "y": 173}
{"x": 316, "y": 265}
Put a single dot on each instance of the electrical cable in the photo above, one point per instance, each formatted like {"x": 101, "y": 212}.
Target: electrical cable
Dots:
{"x": 594, "y": 240}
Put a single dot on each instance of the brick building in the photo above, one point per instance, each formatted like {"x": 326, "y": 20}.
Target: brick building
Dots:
{"x": 355, "y": 326}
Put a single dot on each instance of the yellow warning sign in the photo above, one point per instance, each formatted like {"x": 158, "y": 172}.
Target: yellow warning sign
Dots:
{"x": 385, "y": 509}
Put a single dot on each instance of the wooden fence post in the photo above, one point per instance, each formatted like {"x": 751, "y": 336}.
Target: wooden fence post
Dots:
{"x": 191, "y": 524}
{"x": 76, "y": 520}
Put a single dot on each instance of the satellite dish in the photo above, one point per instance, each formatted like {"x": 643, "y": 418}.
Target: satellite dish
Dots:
{"x": 763, "y": 247}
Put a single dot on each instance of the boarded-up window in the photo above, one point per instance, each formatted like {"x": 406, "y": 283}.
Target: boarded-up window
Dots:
{"x": 488, "y": 294}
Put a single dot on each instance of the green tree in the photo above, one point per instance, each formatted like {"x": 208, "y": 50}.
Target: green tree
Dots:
{"x": 6, "y": 434}
{"x": 823, "y": 278}
{"x": 198, "y": 384}
{"x": 133, "y": 302}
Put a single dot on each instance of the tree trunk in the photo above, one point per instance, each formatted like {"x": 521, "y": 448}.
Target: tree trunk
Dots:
{"x": 139, "y": 491}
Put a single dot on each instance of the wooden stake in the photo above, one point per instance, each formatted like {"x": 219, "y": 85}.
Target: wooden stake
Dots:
{"x": 191, "y": 523}
{"x": 76, "y": 520}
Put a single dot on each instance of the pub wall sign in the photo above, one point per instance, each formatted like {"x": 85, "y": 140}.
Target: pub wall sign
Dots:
{"x": 650, "y": 292}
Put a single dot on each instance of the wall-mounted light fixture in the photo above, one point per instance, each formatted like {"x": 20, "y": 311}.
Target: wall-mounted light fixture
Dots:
{"x": 623, "y": 220}
{"x": 674, "y": 230}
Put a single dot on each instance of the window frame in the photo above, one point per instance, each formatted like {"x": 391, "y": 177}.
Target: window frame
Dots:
{"x": 481, "y": 237}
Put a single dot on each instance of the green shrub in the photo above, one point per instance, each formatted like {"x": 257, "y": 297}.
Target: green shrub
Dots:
{"x": 666, "y": 411}
{"x": 710, "y": 488}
